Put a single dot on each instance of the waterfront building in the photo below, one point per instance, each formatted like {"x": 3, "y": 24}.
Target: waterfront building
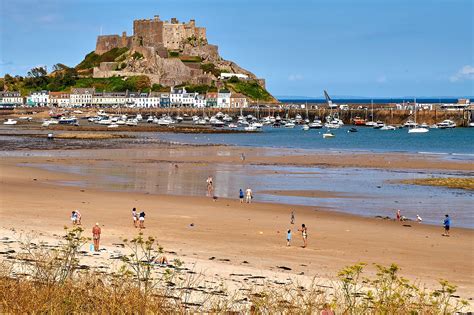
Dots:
{"x": 11, "y": 97}
{"x": 109, "y": 99}
{"x": 238, "y": 100}
{"x": 176, "y": 96}
{"x": 211, "y": 99}
{"x": 38, "y": 98}
{"x": 153, "y": 99}
{"x": 223, "y": 99}
{"x": 138, "y": 99}
{"x": 164, "y": 100}
{"x": 188, "y": 99}
{"x": 59, "y": 99}
{"x": 81, "y": 97}
{"x": 199, "y": 101}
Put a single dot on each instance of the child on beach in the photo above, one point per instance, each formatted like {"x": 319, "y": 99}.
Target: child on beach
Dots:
{"x": 292, "y": 219}
{"x": 96, "y": 236}
{"x": 304, "y": 233}
{"x": 241, "y": 195}
{"x": 135, "y": 217}
{"x": 288, "y": 237}
{"x": 142, "y": 219}
{"x": 74, "y": 218}
{"x": 209, "y": 186}
{"x": 446, "y": 224}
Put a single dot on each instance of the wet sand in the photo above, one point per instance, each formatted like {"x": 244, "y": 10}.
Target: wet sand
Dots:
{"x": 228, "y": 230}
{"x": 309, "y": 193}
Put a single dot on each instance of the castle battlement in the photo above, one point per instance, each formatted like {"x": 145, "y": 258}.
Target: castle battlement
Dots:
{"x": 153, "y": 33}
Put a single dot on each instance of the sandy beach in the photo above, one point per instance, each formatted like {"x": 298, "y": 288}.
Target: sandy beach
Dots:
{"x": 240, "y": 236}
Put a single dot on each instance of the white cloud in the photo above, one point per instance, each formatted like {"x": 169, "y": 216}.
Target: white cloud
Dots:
{"x": 381, "y": 79}
{"x": 465, "y": 73}
{"x": 295, "y": 77}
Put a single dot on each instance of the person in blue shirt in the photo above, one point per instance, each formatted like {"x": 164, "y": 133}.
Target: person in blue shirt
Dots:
{"x": 241, "y": 195}
{"x": 288, "y": 238}
{"x": 447, "y": 224}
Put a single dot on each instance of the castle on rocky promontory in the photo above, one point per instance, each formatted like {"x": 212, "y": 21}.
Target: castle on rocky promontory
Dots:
{"x": 168, "y": 52}
{"x": 161, "y": 35}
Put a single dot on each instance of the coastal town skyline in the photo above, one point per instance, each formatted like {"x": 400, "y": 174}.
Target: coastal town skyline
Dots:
{"x": 402, "y": 56}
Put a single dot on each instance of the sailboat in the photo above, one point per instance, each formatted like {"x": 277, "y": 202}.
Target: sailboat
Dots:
{"x": 371, "y": 123}
{"x": 417, "y": 129}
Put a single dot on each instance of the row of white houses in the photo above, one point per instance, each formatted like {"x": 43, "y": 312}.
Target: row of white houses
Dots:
{"x": 84, "y": 97}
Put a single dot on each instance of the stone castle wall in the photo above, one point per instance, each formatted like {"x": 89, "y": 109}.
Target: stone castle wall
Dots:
{"x": 108, "y": 42}
{"x": 153, "y": 33}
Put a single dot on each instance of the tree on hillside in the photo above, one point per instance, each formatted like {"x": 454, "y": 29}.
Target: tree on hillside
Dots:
{"x": 36, "y": 78}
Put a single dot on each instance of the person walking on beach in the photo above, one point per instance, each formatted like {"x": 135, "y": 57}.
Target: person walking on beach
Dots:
{"x": 399, "y": 216}
{"x": 447, "y": 224}
{"x": 304, "y": 233}
{"x": 78, "y": 217}
{"x": 242, "y": 156}
{"x": 209, "y": 186}
{"x": 142, "y": 219}
{"x": 418, "y": 218}
{"x": 241, "y": 195}
{"x": 288, "y": 238}
{"x": 135, "y": 217}
{"x": 96, "y": 236}
{"x": 74, "y": 218}
{"x": 248, "y": 195}
{"x": 292, "y": 219}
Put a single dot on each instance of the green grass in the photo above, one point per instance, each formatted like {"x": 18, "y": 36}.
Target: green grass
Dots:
{"x": 251, "y": 89}
{"x": 93, "y": 60}
{"x": 116, "y": 84}
{"x": 196, "y": 59}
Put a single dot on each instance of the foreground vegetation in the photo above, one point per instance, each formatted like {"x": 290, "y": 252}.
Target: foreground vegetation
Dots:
{"x": 450, "y": 182}
{"x": 53, "y": 281}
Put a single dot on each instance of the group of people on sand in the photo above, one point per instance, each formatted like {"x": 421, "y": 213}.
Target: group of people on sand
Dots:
{"x": 248, "y": 195}
{"x": 446, "y": 221}
{"x": 138, "y": 219}
{"x": 303, "y": 230}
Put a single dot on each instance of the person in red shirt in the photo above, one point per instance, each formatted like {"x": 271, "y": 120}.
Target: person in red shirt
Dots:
{"x": 96, "y": 236}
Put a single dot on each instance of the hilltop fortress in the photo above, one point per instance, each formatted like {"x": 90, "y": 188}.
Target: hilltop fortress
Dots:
{"x": 170, "y": 35}
{"x": 168, "y": 52}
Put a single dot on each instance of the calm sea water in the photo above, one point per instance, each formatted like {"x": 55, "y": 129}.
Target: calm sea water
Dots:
{"x": 455, "y": 143}
{"x": 375, "y": 100}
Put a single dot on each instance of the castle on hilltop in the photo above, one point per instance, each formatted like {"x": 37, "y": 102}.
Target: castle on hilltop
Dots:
{"x": 161, "y": 35}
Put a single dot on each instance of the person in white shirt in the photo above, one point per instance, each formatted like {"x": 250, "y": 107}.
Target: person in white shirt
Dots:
{"x": 248, "y": 195}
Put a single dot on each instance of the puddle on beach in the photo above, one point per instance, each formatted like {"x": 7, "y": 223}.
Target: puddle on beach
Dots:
{"x": 367, "y": 192}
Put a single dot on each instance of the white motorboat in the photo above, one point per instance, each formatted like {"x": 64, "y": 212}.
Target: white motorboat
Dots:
{"x": 424, "y": 125}
{"x": 105, "y": 122}
{"x": 216, "y": 122}
{"x": 112, "y": 126}
{"x": 139, "y": 117}
{"x": 379, "y": 124}
{"x": 149, "y": 119}
{"x": 332, "y": 125}
{"x": 328, "y": 135}
{"x": 250, "y": 128}
{"x": 417, "y": 130}
{"x": 410, "y": 124}
{"x": 67, "y": 120}
{"x": 232, "y": 126}
{"x": 447, "y": 124}
{"x": 471, "y": 124}
{"x": 227, "y": 118}
{"x": 370, "y": 123}
{"x": 10, "y": 122}
{"x": 120, "y": 122}
{"x": 305, "y": 127}
{"x": 290, "y": 125}
{"x": 434, "y": 126}
{"x": 131, "y": 122}
{"x": 179, "y": 119}
{"x": 257, "y": 124}
{"x": 388, "y": 127}
{"x": 25, "y": 118}
{"x": 200, "y": 122}
{"x": 165, "y": 121}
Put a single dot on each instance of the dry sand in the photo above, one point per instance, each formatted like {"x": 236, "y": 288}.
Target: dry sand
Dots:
{"x": 225, "y": 229}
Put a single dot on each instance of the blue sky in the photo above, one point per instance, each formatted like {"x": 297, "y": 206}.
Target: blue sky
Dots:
{"x": 367, "y": 48}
